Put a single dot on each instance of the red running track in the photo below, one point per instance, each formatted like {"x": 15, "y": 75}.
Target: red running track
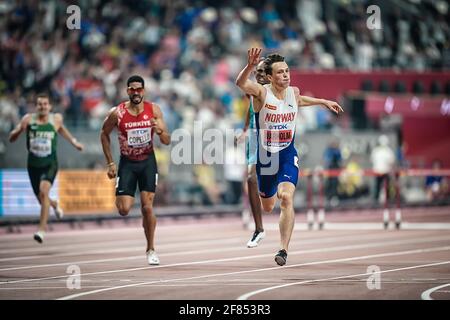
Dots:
{"x": 208, "y": 259}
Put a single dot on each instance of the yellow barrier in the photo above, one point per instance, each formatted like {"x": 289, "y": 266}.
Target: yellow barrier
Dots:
{"x": 86, "y": 192}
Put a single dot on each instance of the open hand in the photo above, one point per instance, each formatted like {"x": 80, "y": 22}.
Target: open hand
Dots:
{"x": 79, "y": 146}
{"x": 240, "y": 138}
{"x": 333, "y": 106}
{"x": 253, "y": 56}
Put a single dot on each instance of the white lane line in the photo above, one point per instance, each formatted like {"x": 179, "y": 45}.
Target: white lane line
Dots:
{"x": 253, "y": 293}
{"x": 426, "y": 225}
{"x": 74, "y": 232}
{"x": 169, "y": 245}
{"x": 128, "y": 249}
{"x": 96, "y": 231}
{"x": 45, "y": 288}
{"x": 99, "y": 242}
{"x": 426, "y": 295}
{"x": 141, "y": 256}
{"x": 44, "y": 248}
{"x": 367, "y": 226}
{"x": 320, "y": 250}
{"x": 397, "y": 253}
{"x": 183, "y": 243}
{"x": 70, "y": 247}
{"x": 110, "y": 243}
{"x": 164, "y": 246}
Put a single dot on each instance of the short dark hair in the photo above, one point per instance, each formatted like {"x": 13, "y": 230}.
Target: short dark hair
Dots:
{"x": 263, "y": 60}
{"x": 270, "y": 60}
{"x": 43, "y": 95}
{"x": 135, "y": 78}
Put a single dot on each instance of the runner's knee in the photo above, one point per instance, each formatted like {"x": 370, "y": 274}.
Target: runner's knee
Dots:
{"x": 147, "y": 209}
{"x": 268, "y": 207}
{"x": 286, "y": 199}
{"x": 43, "y": 195}
{"x": 123, "y": 208}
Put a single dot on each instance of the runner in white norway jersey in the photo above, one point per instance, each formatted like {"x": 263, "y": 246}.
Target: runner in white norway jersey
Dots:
{"x": 275, "y": 121}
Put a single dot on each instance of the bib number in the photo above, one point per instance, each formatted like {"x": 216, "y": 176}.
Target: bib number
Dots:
{"x": 41, "y": 147}
{"x": 139, "y": 137}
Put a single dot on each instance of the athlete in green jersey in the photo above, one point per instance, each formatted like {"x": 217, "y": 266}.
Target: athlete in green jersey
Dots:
{"x": 42, "y": 128}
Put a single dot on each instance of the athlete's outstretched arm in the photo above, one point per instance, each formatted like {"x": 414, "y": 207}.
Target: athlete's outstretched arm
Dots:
{"x": 305, "y": 101}
{"x": 21, "y": 127}
{"x": 160, "y": 126}
{"x": 108, "y": 126}
{"x": 250, "y": 87}
{"x": 66, "y": 133}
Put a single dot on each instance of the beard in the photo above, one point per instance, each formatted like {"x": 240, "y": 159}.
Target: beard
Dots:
{"x": 136, "y": 99}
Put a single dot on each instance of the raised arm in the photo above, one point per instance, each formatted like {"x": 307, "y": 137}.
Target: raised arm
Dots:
{"x": 66, "y": 133}
{"x": 108, "y": 126}
{"x": 305, "y": 101}
{"x": 21, "y": 127}
{"x": 160, "y": 125}
{"x": 251, "y": 87}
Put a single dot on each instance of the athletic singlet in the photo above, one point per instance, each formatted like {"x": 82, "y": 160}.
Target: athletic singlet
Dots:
{"x": 251, "y": 111}
{"x": 252, "y": 142}
{"x": 135, "y": 132}
{"x": 41, "y": 141}
{"x": 276, "y": 121}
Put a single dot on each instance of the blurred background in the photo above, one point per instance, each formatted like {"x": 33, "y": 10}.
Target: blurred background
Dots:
{"x": 393, "y": 82}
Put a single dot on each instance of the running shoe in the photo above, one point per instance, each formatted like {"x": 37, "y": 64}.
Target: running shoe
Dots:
{"x": 59, "y": 213}
{"x": 152, "y": 258}
{"x": 281, "y": 257}
{"x": 39, "y": 236}
{"x": 256, "y": 238}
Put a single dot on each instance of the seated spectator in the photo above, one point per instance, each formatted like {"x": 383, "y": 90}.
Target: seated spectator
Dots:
{"x": 436, "y": 185}
{"x": 351, "y": 181}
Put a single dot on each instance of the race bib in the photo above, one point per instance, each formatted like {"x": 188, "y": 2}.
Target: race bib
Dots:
{"x": 41, "y": 147}
{"x": 277, "y": 138}
{"x": 139, "y": 137}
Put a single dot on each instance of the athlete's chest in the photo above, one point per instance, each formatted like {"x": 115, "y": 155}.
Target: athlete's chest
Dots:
{"x": 279, "y": 110}
{"x": 136, "y": 129}
{"x": 129, "y": 120}
{"x": 43, "y": 131}
{"x": 278, "y": 114}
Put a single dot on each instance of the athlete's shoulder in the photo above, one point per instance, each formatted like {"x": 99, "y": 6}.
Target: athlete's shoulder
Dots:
{"x": 57, "y": 116}
{"x": 152, "y": 105}
{"x": 156, "y": 109}
{"x": 121, "y": 106}
{"x": 113, "y": 113}
{"x": 27, "y": 117}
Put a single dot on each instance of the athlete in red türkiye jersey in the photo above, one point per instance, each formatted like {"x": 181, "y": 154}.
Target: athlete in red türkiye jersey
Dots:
{"x": 136, "y": 121}
{"x": 135, "y": 132}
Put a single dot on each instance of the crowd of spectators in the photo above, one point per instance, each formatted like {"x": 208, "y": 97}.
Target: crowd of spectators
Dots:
{"x": 189, "y": 52}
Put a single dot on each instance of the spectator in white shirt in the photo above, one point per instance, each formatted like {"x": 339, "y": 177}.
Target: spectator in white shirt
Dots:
{"x": 383, "y": 161}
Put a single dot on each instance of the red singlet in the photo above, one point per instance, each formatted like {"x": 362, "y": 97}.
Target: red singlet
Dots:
{"x": 135, "y": 132}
